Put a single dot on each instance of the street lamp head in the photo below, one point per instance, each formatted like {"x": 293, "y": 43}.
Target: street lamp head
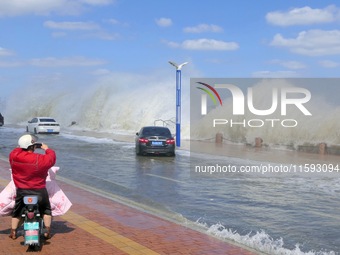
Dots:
{"x": 173, "y": 63}
{"x": 178, "y": 67}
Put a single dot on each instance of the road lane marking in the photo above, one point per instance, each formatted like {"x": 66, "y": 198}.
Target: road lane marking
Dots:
{"x": 119, "y": 241}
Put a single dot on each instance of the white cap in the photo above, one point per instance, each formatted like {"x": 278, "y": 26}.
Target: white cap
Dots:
{"x": 27, "y": 140}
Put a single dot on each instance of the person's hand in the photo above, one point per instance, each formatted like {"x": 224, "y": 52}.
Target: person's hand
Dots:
{"x": 44, "y": 146}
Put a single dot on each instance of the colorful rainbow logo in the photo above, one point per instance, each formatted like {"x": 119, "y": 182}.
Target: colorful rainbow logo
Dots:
{"x": 209, "y": 92}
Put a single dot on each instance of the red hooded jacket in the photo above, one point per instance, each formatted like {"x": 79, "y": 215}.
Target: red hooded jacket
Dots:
{"x": 29, "y": 170}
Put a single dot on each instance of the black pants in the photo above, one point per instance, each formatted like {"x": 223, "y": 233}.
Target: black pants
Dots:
{"x": 43, "y": 201}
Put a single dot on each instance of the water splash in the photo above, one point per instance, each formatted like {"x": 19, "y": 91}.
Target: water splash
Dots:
{"x": 117, "y": 102}
{"x": 261, "y": 241}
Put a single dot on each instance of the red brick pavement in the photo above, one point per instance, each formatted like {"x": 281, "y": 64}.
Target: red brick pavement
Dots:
{"x": 99, "y": 225}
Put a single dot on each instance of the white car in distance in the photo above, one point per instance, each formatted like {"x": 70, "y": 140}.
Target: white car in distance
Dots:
{"x": 43, "y": 125}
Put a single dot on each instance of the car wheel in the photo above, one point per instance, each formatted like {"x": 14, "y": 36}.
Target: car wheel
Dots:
{"x": 137, "y": 150}
{"x": 141, "y": 152}
{"x": 171, "y": 154}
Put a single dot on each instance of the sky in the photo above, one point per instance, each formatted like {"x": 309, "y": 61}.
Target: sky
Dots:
{"x": 79, "y": 41}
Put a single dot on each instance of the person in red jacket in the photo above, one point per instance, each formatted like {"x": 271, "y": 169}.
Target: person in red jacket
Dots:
{"x": 29, "y": 171}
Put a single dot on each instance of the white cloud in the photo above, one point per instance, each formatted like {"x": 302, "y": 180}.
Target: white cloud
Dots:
{"x": 92, "y": 30}
{"x": 164, "y": 22}
{"x": 69, "y": 61}
{"x": 103, "y": 35}
{"x": 10, "y": 63}
{"x": 97, "y": 2}
{"x": 204, "y": 44}
{"x": 55, "y": 62}
{"x": 290, "y": 64}
{"x": 328, "y": 63}
{"x": 201, "y": 28}
{"x": 71, "y": 25}
{"x": 116, "y": 22}
{"x": 293, "y": 65}
{"x": 5, "y": 52}
{"x": 43, "y": 7}
{"x": 311, "y": 43}
{"x": 303, "y": 16}
{"x": 274, "y": 74}
{"x": 102, "y": 71}
{"x": 113, "y": 21}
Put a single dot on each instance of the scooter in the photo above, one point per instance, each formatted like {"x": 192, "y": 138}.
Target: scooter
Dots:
{"x": 33, "y": 222}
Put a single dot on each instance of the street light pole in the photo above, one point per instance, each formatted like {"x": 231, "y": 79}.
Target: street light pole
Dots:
{"x": 178, "y": 100}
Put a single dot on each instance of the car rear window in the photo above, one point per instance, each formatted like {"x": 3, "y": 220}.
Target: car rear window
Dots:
{"x": 156, "y": 131}
{"x": 47, "y": 120}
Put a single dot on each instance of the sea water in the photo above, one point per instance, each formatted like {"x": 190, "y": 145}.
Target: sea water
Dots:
{"x": 275, "y": 215}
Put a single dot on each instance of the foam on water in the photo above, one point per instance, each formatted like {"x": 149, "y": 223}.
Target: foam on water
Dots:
{"x": 88, "y": 139}
{"x": 261, "y": 241}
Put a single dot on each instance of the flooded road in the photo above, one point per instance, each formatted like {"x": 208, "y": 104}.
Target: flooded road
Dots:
{"x": 272, "y": 214}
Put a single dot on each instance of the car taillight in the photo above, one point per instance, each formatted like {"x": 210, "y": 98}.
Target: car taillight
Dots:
{"x": 170, "y": 141}
{"x": 143, "y": 140}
